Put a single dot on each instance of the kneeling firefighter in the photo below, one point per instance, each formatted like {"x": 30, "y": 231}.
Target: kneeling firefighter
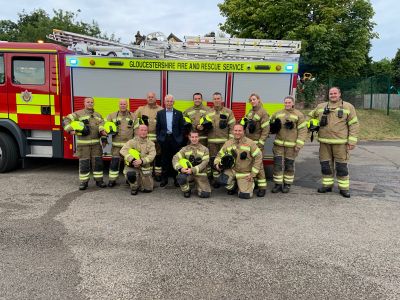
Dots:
{"x": 290, "y": 127}
{"x": 191, "y": 163}
{"x": 139, "y": 154}
{"x": 245, "y": 166}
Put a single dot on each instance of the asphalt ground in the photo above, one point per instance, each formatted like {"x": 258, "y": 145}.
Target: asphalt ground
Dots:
{"x": 59, "y": 243}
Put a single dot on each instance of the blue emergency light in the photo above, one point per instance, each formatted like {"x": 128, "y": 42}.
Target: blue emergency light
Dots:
{"x": 73, "y": 61}
{"x": 289, "y": 68}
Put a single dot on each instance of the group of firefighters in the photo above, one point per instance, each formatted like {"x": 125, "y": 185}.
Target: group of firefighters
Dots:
{"x": 217, "y": 150}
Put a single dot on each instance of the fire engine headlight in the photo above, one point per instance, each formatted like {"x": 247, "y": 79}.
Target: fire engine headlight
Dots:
{"x": 73, "y": 61}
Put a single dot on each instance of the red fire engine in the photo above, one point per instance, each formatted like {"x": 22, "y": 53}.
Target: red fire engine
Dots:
{"x": 42, "y": 83}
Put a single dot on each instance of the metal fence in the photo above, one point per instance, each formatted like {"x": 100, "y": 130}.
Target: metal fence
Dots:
{"x": 374, "y": 92}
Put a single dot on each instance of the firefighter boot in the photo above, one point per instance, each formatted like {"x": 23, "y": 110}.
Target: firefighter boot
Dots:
{"x": 261, "y": 193}
{"x": 134, "y": 192}
{"x": 345, "y": 193}
{"x": 286, "y": 188}
{"x": 277, "y": 188}
{"x": 187, "y": 194}
{"x": 244, "y": 195}
{"x": 83, "y": 186}
{"x": 232, "y": 191}
{"x": 324, "y": 189}
{"x": 111, "y": 183}
{"x": 101, "y": 184}
{"x": 204, "y": 194}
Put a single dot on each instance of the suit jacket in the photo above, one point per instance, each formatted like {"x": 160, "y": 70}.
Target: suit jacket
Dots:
{"x": 177, "y": 126}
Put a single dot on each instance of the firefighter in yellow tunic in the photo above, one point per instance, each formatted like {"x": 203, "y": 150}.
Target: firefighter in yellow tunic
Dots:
{"x": 338, "y": 130}
{"x": 87, "y": 126}
{"x": 123, "y": 121}
{"x": 223, "y": 120}
{"x": 247, "y": 160}
{"x": 257, "y": 128}
{"x": 191, "y": 163}
{"x": 139, "y": 154}
{"x": 195, "y": 113}
{"x": 290, "y": 128}
{"x": 147, "y": 115}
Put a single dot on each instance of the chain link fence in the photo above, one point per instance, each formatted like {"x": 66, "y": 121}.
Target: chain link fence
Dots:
{"x": 375, "y": 92}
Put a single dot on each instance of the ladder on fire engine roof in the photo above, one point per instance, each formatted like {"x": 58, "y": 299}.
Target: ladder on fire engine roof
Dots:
{"x": 193, "y": 47}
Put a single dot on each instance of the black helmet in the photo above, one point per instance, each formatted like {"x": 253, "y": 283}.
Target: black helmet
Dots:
{"x": 227, "y": 161}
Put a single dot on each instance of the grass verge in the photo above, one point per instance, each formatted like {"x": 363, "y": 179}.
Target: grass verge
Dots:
{"x": 376, "y": 125}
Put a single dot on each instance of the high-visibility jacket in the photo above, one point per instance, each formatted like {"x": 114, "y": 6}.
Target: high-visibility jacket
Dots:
{"x": 261, "y": 120}
{"x": 194, "y": 113}
{"x": 338, "y": 130}
{"x": 248, "y": 156}
{"x": 217, "y": 135}
{"x": 197, "y": 151}
{"x": 95, "y": 123}
{"x": 125, "y": 122}
{"x": 146, "y": 148}
{"x": 290, "y": 137}
{"x": 151, "y": 112}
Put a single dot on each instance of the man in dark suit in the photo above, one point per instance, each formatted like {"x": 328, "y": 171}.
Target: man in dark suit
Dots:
{"x": 169, "y": 130}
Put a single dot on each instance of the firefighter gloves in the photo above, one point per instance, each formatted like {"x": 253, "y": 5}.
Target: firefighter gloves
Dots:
{"x": 223, "y": 121}
{"x": 275, "y": 126}
{"x": 289, "y": 124}
{"x": 252, "y": 126}
{"x": 243, "y": 155}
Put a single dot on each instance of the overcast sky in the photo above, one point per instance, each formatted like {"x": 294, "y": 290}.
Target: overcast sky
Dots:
{"x": 185, "y": 17}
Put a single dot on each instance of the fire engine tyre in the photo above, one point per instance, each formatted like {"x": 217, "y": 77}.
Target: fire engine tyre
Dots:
{"x": 8, "y": 153}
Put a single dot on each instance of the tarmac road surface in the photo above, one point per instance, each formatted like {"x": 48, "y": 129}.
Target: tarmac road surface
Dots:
{"x": 59, "y": 243}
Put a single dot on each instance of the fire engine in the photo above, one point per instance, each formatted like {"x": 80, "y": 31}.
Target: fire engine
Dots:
{"x": 40, "y": 83}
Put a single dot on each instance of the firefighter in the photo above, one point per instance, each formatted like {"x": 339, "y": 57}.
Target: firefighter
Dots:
{"x": 222, "y": 120}
{"x": 247, "y": 158}
{"x": 290, "y": 128}
{"x": 338, "y": 130}
{"x": 147, "y": 115}
{"x": 87, "y": 125}
{"x": 256, "y": 124}
{"x": 139, "y": 154}
{"x": 191, "y": 163}
{"x": 195, "y": 113}
{"x": 123, "y": 121}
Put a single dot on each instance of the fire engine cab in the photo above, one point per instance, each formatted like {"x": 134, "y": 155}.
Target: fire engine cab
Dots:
{"x": 42, "y": 83}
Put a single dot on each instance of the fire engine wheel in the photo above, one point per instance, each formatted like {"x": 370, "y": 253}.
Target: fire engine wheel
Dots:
{"x": 8, "y": 153}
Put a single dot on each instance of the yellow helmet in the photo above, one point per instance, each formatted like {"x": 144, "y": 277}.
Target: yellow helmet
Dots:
{"x": 144, "y": 120}
{"x": 187, "y": 123}
{"x": 77, "y": 125}
{"x": 206, "y": 122}
{"x": 110, "y": 128}
{"x": 80, "y": 128}
{"x": 134, "y": 153}
{"x": 313, "y": 123}
{"x": 244, "y": 121}
{"x": 185, "y": 163}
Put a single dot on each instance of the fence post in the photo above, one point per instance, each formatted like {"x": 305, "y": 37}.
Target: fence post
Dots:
{"x": 388, "y": 102}
{"x": 370, "y": 102}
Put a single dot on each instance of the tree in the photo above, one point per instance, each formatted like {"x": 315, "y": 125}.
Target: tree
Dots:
{"x": 396, "y": 69}
{"x": 34, "y": 26}
{"x": 335, "y": 35}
